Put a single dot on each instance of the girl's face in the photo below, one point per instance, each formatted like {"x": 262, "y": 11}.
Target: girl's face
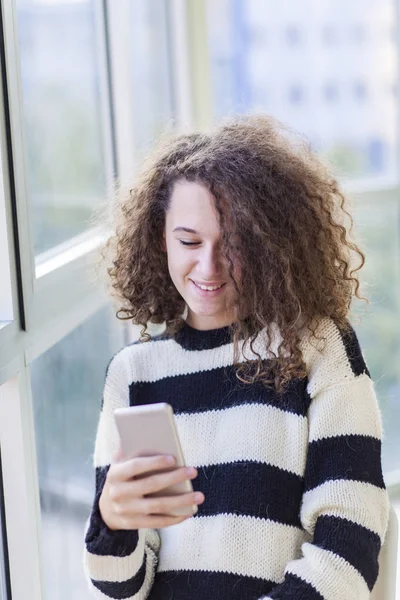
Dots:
{"x": 192, "y": 240}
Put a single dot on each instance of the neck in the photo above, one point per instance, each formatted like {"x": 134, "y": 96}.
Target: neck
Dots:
{"x": 207, "y": 323}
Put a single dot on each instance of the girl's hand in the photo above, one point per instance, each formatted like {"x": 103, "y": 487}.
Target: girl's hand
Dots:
{"x": 123, "y": 504}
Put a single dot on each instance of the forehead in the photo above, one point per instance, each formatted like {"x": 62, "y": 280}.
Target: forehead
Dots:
{"x": 192, "y": 206}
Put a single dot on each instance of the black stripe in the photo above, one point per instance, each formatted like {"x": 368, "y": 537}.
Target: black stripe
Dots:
{"x": 351, "y": 457}
{"x": 358, "y": 545}
{"x": 353, "y": 351}
{"x": 216, "y": 389}
{"x": 295, "y": 588}
{"x": 197, "y": 339}
{"x": 124, "y": 589}
{"x": 208, "y": 585}
{"x": 99, "y": 538}
{"x": 251, "y": 489}
{"x": 197, "y": 585}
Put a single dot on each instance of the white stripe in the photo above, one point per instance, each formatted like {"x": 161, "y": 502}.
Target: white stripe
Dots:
{"x": 152, "y": 361}
{"x": 256, "y": 432}
{"x": 151, "y": 568}
{"x": 327, "y": 363}
{"x": 152, "y": 539}
{"x": 346, "y": 409}
{"x": 245, "y": 432}
{"x": 359, "y": 502}
{"x": 168, "y": 359}
{"x": 331, "y": 575}
{"x": 230, "y": 543}
{"x": 107, "y": 437}
{"x": 142, "y": 594}
{"x": 115, "y": 395}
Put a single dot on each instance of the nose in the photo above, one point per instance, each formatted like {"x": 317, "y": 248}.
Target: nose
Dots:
{"x": 211, "y": 262}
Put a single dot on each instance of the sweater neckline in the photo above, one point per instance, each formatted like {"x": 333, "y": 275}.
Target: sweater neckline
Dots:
{"x": 198, "y": 339}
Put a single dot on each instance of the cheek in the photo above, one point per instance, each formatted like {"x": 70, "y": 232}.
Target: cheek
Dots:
{"x": 178, "y": 264}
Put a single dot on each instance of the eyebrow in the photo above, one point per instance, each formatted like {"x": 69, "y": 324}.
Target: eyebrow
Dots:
{"x": 187, "y": 229}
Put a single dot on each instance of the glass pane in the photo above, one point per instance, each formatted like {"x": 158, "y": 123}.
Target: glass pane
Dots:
{"x": 377, "y": 224}
{"x": 62, "y": 116}
{"x": 67, "y": 384}
{"x": 327, "y": 69}
{"x": 4, "y": 579}
{"x": 151, "y": 77}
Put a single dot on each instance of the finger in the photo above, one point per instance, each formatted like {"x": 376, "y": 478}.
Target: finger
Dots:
{"x": 160, "y": 481}
{"x": 138, "y": 466}
{"x": 167, "y": 505}
{"x": 158, "y": 522}
{"x": 122, "y": 491}
{"x": 150, "y": 521}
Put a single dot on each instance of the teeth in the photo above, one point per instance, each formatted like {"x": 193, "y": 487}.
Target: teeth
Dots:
{"x": 209, "y": 288}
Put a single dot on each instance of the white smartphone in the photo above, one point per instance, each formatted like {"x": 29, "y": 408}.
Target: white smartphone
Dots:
{"x": 149, "y": 430}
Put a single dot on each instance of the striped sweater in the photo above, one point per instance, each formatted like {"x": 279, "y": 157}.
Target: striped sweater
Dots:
{"x": 295, "y": 503}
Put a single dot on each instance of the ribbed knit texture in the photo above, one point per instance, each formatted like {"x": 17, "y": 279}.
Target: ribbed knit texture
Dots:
{"x": 295, "y": 503}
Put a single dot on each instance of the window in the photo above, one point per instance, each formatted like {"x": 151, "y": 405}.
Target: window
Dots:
{"x": 359, "y": 33}
{"x": 67, "y": 383}
{"x": 61, "y": 140}
{"x": 360, "y": 90}
{"x": 293, "y": 36}
{"x": 151, "y": 77}
{"x": 66, "y": 170}
{"x": 329, "y": 35}
{"x": 144, "y": 99}
{"x": 376, "y": 152}
{"x": 377, "y": 222}
{"x": 296, "y": 94}
{"x": 330, "y": 92}
{"x": 310, "y": 53}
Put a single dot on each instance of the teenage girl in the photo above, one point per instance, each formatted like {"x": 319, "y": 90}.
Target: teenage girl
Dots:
{"x": 237, "y": 241}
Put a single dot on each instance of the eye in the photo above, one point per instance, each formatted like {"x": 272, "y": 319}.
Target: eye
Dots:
{"x": 189, "y": 243}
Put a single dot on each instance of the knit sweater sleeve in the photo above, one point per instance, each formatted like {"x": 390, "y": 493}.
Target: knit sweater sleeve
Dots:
{"x": 118, "y": 564}
{"x": 345, "y": 505}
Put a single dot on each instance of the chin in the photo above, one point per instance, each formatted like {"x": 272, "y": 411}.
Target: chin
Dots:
{"x": 202, "y": 313}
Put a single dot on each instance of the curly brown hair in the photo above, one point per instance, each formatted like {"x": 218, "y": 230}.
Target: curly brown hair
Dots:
{"x": 282, "y": 216}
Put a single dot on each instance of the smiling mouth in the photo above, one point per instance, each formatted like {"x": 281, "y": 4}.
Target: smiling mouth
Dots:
{"x": 208, "y": 288}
